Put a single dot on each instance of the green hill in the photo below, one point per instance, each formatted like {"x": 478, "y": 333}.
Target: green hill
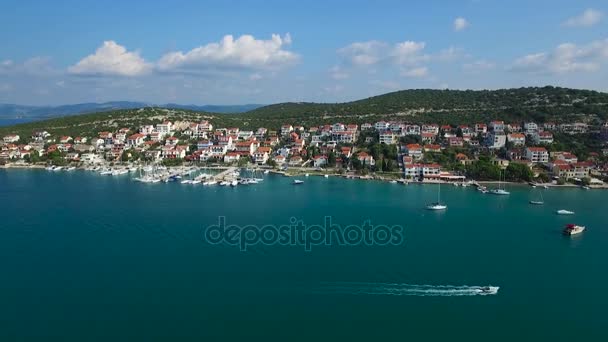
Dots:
{"x": 416, "y": 105}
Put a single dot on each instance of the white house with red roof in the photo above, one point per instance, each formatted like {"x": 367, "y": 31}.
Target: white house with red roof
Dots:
{"x": 231, "y": 157}
{"x": 319, "y": 161}
{"x": 544, "y": 137}
{"x": 414, "y": 151}
{"x": 366, "y": 159}
{"x": 537, "y": 154}
{"x": 517, "y": 139}
{"x": 136, "y": 139}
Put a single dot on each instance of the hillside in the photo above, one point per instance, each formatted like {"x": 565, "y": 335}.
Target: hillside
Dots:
{"x": 438, "y": 106}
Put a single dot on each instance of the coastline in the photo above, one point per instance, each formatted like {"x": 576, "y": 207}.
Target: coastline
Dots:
{"x": 315, "y": 173}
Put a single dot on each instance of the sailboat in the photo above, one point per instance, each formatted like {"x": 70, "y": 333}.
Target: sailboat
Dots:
{"x": 536, "y": 202}
{"x": 500, "y": 190}
{"x": 437, "y": 205}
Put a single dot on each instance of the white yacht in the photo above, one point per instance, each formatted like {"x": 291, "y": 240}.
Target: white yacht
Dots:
{"x": 501, "y": 190}
{"x": 437, "y": 205}
{"x": 297, "y": 181}
{"x": 565, "y": 212}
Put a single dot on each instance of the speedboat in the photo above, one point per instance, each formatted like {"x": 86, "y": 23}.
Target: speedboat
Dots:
{"x": 489, "y": 290}
{"x": 499, "y": 192}
{"x": 266, "y": 172}
{"x": 71, "y": 168}
{"x": 586, "y": 187}
{"x": 50, "y": 168}
{"x": 565, "y": 212}
{"x": 546, "y": 186}
{"x": 306, "y": 175}
{"x": 537, "y": 202}
{"x": 224, "y": 183}
{"x": 436, "y": 206}
{"x": 234, "y": 183}
{"x": 58, "y": 168}
{"x": 573, "y": 229}
{"x": 393, "y": 182}
{"x": 326, "y": 176}
{"x": 297, "y": 181}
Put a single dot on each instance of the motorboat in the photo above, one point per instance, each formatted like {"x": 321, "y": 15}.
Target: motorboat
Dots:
{"x": 488, "y": 290}
{"x": 499, "y": 192}
{"x": 537, "y": 202}
{"x": 297, "y": 181}
{"x": 234, "y": 183}
{"x": 71, "y": 168}
{"x": 436, "y": 206}
{"x": 573, "y": 229}
{"x": 565, "y": 212}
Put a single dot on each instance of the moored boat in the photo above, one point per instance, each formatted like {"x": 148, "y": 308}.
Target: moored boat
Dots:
{"x": 297, "y": 181}
{"x": 573, "y": 229}
{"x": 565, "y": 212}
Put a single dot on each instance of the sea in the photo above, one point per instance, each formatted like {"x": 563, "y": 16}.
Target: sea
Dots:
{"x": 86, "y": 257}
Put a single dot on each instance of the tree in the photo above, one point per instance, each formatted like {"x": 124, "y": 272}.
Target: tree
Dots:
{"x": 518, "y": 172}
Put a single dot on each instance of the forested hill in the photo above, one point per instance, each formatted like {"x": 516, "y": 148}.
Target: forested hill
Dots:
{"x": 523, "y": 103}
{"x": 416, "y": 106}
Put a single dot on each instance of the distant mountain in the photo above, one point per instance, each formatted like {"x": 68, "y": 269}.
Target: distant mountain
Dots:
{"x": 36, "y": 113}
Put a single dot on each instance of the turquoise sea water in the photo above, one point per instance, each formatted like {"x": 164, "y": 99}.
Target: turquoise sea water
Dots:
{"x": 90, "y": 257}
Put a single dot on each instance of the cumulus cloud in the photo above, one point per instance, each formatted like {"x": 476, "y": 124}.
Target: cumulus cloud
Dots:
{"x": 409, "y": 53}
{"x": 460, "y": 24}
{"x": 363, "y": 53}
{"x": 415, "y": 72}
{"x": 111, "y": 59}
{"x": 588, "y": 18}
{"x": 35, "y": 66}
{"x": 565, "y": 58}
{"x": 244, "y": 53}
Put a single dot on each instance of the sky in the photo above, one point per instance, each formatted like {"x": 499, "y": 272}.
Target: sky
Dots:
{"x": 239, "y": 52}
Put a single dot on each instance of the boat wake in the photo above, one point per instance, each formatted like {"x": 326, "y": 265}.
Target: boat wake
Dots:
{"x": 389, "y": 289}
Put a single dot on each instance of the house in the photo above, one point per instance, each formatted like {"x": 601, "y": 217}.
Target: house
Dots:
{"x": 346, "y": 151}
{"x": 463, "y": 159}
{"x": 466, "y": 130}
{"x": 366, "y": 126}
{"x": 517, "y": 139}
{"x": 319, "y": 161}
{"x": 105, "y": 135}
{"x": 261, "y": 155}
{"x": 136, "y": 139}
{"x": 565, "y": 156}
{"x": 387, "y": 137}
{"x": 481, "y": 128}
{"x": 412, "y": 130}
{"x": 165, "y": 128}
{"x": 430, "y": 129}
{"x": 543, "y": 137}
{"x": 146, "y": 129}
{"x": 247, "y": 147}
{"x": 514, "y": 128}
{"x": 537, "y": 154}
{"x": 225, "y": 141}
{"x": 40, "y": 135}
{"x": 80, "y": 140}
{"x": 261, "y": 133}
{"x": 414, "y": 151}
{"x": 120, "y": 137}
{"x": 604, "y": 131}
{"x": 156, "y": 136}
{"x": 153, "y": 155}
{"x": 497, "y": 126}
{"x": 366, "y": 159}
{"x": 582, "y": 169}
{"x": 11, "y": 138}
{"x": 352, "y": 127}
{"x": 173, "y": 152}
{"x": 91, "y": 158}
{"x": 530, "y": 128}
{"x": 280, "y": 160}
{"x": 381, "y": 125}
{"x": 82, "y": 148}
{"x": 428, "y": 137}
{"x": 456, "y": 142}
{"x": 295, "y": 160}
{"x": 432, "y": 148}
{"x": 574, "y": 128}
{"x": 428, "y": 171}
{"x": 72, "y": 156}
{"x": 549, "y": 126}
{"x": 205, "y": 126}
{"x": 286, "y": 130}
{"x": 203, "y": 144}
{"x": 218, "y": 151}
{"x": 231, "y": 157}
{"x": 338, "y": 127}
{"x": 497, "y": 139}
{"x": 563, "y": 170}
{"x": 515, "y": 154}
{"x": 172, "y": 141}
{"x": 344, "y": 136}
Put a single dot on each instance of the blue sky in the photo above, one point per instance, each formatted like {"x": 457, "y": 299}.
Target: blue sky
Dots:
{"x": 235, "y": 52}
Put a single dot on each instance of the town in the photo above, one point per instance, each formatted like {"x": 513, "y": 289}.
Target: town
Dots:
{"x": 392, "y": 150}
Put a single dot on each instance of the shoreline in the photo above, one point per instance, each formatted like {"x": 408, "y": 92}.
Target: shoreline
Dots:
{"x": 315, "y": 173}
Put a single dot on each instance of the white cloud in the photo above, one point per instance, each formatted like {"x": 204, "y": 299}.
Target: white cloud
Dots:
{"x": 363, "y": 53}
{"x": 337, "y": 73}
{"x": 111, "y": 59}
{"x": 588, "y": 18}
{"x": 333, "y": 89}
{"x": 246, "y": 52}
{"x": 409, "y": 53}
{"x": 565, "y": 58}
{"x": 35, "y": 66}
{"x": 460, "y": 24}
{"x": 478, "y": 66}
{"x": 415, "y": 72}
